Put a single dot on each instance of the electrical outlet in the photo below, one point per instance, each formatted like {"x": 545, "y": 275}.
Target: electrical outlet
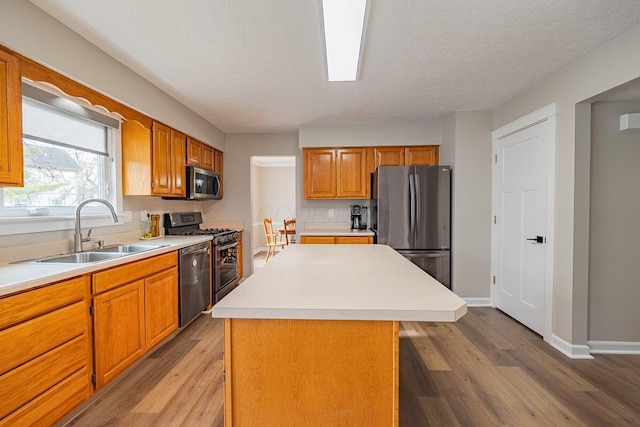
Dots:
{"x": 331, "y": 213}
{"x": 143, "y": 215}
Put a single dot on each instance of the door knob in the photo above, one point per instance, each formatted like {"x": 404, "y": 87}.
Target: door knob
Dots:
{"x": 537, "y": 239}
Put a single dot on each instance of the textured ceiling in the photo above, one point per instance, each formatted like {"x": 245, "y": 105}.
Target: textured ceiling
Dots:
{"x": 258, "y": 66}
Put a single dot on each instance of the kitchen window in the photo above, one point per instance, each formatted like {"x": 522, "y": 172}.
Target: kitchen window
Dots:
{"x": 69, "y": 156}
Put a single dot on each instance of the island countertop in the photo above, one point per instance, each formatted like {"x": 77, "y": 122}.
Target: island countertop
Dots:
{"x": 341, "y": 282}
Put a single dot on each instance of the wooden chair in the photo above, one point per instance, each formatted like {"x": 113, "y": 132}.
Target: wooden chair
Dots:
{"x": 290, "y": 231}
{"x": 273, "y": 240}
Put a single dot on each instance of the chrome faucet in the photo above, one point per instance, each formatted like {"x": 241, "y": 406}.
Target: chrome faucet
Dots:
{"x": 77, "y": 237}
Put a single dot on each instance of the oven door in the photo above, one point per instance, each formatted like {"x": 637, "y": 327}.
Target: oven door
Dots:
{"x": 226, "y": 267}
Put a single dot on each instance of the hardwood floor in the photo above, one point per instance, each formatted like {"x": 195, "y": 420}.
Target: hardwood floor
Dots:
{"x": 484, "y": 370}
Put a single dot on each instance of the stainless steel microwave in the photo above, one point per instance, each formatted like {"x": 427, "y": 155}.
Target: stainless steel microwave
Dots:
{"x": 202, "y": 184}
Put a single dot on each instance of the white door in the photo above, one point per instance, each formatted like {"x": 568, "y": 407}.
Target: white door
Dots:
{"x": 520, "y": 209}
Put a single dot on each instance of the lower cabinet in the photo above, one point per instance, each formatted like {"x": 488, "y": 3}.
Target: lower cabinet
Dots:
{"x": 135, "y": 306}
{"x": 45, "y": 353}
{"x": 339, "y": 240}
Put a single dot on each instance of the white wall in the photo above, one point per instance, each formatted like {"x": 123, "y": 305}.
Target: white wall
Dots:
{"x": 603, "y": 69}
{"x": 426, "y": 132}
{"x": 275, "y": 189}
{"x": 614, "y": 230}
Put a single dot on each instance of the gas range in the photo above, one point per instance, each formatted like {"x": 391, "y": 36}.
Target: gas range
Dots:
{"x": 188, "y": 224}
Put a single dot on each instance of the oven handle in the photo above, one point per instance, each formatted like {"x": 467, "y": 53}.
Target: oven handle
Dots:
{"x": 224, "y": 247}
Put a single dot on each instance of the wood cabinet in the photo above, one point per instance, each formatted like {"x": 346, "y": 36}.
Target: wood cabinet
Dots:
{"x": 194, "y": 152}
{"x": 319, "y": 170}
{"x": 45, "y": 361}
{"x": 340, "y": 240}
{"x": 428, "y": 155}
{"x": 199, "y": 154}
{"x": 135, "y": 308}
{"x": 11, "y": 160}
{"x": 208, "y": 157}
{"x": 335, "y": 173}
{"x": 290, "y": 372}
{"x": 240, "y": 255}
{"x": 389, "y": 156}
{"x": 218, "y": 167}
{"x": 153, "y": 160}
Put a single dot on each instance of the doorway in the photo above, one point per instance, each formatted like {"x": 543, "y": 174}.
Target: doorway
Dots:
{"x": 522, "y": 223}
{"x": 273, "y": 195}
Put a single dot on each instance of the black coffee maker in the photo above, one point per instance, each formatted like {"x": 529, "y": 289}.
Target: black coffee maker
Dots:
{"x": 358, "y": 217}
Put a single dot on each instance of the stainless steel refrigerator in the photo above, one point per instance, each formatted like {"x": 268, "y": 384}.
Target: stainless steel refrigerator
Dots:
{"x": 411, "y": 212}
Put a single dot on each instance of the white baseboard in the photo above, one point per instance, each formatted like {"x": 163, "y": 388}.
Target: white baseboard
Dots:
{"x": 614, "y": 347}
{"x": 570, "y": 350}
{"x": 478, "y": 302}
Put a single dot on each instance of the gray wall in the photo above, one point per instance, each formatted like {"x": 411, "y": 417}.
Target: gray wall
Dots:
{"x": 609, "y": 66}
{"x": 236, "y": 205}
{"x": 614, "y": 286}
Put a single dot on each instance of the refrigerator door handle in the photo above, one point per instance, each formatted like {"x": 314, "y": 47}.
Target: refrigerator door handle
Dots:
{"x": 412, "y": 208}
{"x": 416, "y": 184}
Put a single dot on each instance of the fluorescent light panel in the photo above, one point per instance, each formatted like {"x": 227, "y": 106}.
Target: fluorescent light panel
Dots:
{"x": 343, "y": 24}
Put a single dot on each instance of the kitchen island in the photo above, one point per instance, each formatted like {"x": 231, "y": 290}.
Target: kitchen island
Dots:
{"x": 312, "y": 337}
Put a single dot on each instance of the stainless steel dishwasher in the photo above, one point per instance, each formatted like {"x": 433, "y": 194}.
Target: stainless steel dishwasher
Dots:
{"x": 195, "y": 281}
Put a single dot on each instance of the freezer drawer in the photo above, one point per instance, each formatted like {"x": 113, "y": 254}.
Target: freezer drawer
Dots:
{"x": 435, "y": 263}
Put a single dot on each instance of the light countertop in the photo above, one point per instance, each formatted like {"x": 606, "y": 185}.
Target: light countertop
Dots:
{"x": 341, "y": 282}
{"x": 335, "y": 232}
{"x": 21, "y": 276}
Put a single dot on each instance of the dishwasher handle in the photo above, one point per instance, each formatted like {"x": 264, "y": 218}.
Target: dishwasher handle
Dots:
{"x": 195, "y": 249}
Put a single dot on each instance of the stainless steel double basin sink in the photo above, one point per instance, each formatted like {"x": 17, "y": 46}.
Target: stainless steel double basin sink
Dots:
{"x": 96, "y": 255}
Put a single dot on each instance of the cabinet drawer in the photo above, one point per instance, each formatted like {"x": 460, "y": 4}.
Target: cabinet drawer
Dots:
{"x": 114, "y": 277}
{"x": 52, "y": 405}
{"x": 30, "y": 339}
{"x": 349, "y": 240}
{"x": 27, "y": 305}
{"x": 318, "y": 240}
{"x": 26, "y": 382}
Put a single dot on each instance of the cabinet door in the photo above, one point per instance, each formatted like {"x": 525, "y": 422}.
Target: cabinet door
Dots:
{"x": 136, "y": 159}
{"x": 218, "y": 167}
{"x": 422, "y": 155}
{"x": 389, "y": 156}
{"x": 178, "y": 163}
{"x": 352, "y": 176}
{"x": 118, "y": 323}
{"x": 194, "y": 152}
{"x": 208, "y": 157}
{"x": 319, "y": 166}
{"x": 161, "y": 160}
{"x": 11, "y": 161}
{"x": 318, "y": 240}
{"x": 240, "y": 255}
{"x": 161, "y": 306}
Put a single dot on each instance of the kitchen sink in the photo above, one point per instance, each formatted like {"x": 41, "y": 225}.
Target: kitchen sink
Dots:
{"x": 80, "y": 257}
{"x": 126, "y": 249}
{"x": 96, "y": 255}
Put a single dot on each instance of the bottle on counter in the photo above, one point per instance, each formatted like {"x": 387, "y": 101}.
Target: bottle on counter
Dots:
{"x": 146, "y": 227}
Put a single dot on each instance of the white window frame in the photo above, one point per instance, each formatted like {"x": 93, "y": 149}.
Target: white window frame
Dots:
{"x": 36, "y": 224}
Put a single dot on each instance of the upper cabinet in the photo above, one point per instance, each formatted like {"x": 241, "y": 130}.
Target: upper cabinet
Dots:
{"x": 11, "y": 162}
{"x": 168, "y": 161}
{"x": 200, "y": 155}
{"x": 344, "y": 173}
{"x": 422, "y": 155}
{"x": 335, "y": 173}
{"x": 153, "y": 160}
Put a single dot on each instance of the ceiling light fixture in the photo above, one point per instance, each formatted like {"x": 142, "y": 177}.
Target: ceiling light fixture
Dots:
{"x": 343, "y": 36}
